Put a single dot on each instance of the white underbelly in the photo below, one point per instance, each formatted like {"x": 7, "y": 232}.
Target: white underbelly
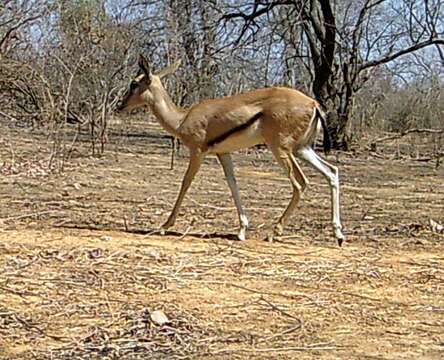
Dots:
{"x": 240, "y": 140}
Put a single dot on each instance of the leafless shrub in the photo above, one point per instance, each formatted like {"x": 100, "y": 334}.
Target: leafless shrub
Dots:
{"x": 62, "y": 63}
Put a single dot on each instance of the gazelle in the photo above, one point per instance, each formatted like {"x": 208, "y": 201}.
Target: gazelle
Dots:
{"x": 284, "y": 119}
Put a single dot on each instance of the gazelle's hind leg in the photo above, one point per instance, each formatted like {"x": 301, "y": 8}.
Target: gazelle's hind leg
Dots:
{"x": 330, "y": 172}
{"x": 300, "y": 176}
{"x": 227, "y": 164}
{"x": 298, "y": 182}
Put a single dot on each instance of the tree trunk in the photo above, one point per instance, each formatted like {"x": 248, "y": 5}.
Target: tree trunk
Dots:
{"x": 337, "y": 126}
{"x": 320, "y": 29}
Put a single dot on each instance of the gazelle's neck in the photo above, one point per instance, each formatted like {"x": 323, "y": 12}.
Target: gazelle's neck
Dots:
{"x": 167, "y": 113}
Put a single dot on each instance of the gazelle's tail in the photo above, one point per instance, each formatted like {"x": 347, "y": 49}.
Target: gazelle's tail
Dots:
{"x": 327, "y": 140}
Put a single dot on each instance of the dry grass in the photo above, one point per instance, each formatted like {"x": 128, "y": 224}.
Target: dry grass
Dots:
{"x": 82, "y": 270}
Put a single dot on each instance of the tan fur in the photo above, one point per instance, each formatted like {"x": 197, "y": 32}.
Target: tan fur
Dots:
{"x": 282, "y": 118}
{"x": 286, "y": 116}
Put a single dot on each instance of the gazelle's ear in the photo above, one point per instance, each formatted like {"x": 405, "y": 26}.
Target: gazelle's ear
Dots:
{"x": 169, "y": 70}
{"x": 144, "y": 66}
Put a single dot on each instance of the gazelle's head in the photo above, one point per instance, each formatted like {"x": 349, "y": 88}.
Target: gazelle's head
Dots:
{"x": 143, "y": 87}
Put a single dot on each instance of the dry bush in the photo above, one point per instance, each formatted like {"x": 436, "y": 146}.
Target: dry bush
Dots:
{"x": 63, "y": 63}
{"x": 66, "y": 76}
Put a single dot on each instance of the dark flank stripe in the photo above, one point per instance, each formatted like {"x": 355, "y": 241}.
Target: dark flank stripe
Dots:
{"x": 230, "y": 132}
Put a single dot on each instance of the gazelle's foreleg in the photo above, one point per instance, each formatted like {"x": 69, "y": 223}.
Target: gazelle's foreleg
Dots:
{"x": 193, "y": 167}
{"x": 298, "y": 182}
{"x": 330, "y": 172}
{"x": 227, "y": 164}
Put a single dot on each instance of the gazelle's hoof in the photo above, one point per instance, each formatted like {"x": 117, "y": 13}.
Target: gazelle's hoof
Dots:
{"x": 278, "y": 230}
{"x": 243, "y": 227}
{"x": 164, "y": 228}
{"x": 271, "y": 237}
{"x": 339, "y": 236}
{"x": 241, "y": 236}
{"x": 167, "y": 224}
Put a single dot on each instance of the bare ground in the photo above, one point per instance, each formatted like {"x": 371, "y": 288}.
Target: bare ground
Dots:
{"x": 82, "y": 270}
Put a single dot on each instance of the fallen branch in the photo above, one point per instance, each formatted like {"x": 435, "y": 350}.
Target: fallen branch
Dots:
{"x": 407, "y": 132}
{"x": 18, "y": 217}
{"x": 313, "y": 347}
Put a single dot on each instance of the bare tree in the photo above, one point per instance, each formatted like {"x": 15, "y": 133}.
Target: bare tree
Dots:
{"x": 63, "y": 62}
{"x": 345, "y": 40}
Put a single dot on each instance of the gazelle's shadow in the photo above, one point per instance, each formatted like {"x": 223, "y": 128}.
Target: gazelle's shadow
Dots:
{"x": 201, "y": 235}
{"x": 157, "y": 232}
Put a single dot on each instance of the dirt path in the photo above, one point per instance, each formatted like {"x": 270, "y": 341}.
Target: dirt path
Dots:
{"x": 82, "y": 273}
{"x": 89, "y": 293}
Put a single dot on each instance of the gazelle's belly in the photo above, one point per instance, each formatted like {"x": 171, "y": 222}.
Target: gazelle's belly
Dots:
{"x": 240, "y": 140}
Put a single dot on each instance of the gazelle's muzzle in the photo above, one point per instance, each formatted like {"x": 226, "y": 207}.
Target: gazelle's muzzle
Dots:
{"x": 121, "y": 104}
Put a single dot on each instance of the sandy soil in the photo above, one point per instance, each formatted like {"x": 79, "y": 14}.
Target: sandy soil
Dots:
{"x": 83, "y": 270}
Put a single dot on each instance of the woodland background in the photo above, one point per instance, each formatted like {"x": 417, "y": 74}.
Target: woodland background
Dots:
{"x": 376, "y": 65}
{"x": 84, "y": 272}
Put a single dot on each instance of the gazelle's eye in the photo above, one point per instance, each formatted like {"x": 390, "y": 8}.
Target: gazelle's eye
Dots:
{"x": 134, "y": 85}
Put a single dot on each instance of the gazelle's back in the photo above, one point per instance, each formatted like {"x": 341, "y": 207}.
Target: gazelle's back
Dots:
{"x": 278, "y": 107}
